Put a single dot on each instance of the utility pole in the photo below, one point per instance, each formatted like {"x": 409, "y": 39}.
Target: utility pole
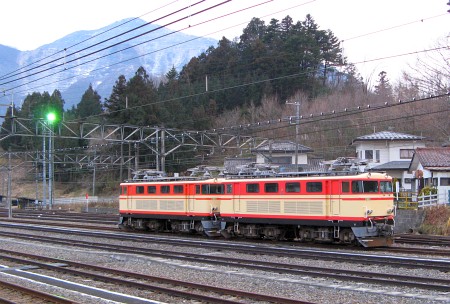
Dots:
{"x": 44, "y": 168}
{"x": 297, "y": 127}
{"x": 9, "y": 184}
{"x": 50, "y": 169}
{"x": 93, "y": 175}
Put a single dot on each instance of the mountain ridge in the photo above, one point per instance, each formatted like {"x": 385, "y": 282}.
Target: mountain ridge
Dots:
{"x": 70, "y": 64}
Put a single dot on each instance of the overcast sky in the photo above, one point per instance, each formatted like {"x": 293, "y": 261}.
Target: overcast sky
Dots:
{"x": 370, "y": 30}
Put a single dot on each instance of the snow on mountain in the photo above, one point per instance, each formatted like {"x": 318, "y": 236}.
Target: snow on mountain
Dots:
{"x": 73, "y": 62}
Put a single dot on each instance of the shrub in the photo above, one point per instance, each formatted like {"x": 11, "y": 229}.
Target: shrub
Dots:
{"x": 437, "y": 220}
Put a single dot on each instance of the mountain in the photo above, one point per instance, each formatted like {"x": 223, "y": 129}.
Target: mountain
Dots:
{"x": 73, "y": 62}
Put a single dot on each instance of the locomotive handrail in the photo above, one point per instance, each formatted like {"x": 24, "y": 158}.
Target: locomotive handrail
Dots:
{"x": 169, "y": 179}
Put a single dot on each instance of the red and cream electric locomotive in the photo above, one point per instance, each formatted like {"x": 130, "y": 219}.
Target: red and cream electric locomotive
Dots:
{"x": 346, "y": 209}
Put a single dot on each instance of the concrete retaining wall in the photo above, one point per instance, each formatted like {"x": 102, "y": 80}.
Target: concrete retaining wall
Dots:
{"x": 408, "y": 220}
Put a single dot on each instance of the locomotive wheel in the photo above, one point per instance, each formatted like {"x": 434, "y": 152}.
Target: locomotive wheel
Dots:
{"x": 346, "y": 236}
{"x": 199, "y": 228}
{"x": 306, "y": 235}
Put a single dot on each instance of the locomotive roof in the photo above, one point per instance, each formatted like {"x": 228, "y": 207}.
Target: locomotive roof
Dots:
{"x": 286, "y": 176}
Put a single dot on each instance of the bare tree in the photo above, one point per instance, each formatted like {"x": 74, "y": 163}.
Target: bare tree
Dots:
{"x": 431, "y": 73}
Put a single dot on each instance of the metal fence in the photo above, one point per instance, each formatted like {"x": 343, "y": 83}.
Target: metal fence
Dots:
{"x": 411, "y": 200}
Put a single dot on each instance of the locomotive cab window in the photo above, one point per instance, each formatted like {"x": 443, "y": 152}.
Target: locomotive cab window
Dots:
{"x": 364, "y": 186}
{"x": 386, "y": 187}
{"x": 151, "y": 189}
{"x": 314, "y": 187}
{"x": 252, "y": 188}
{"x": 165, "y": 189}
{"x": 212, "y": 189}
{"x": 292, "y": 187}
{"x": 139, "y": 189}
{"x": 177, "y": 189}
{"x": 124, "y": 190}
{"x": 271, "y": 187}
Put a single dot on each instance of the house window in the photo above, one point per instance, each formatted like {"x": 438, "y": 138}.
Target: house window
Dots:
{"x": 407, "y": 181}
{"x": 445, "y": 181}
{"x": 377, "y": 156}
{"x": 282, "y": 160}
{"x": 406, "y": 153}
{"x": 368, "y": 154}
{"x": 434, "y": 182}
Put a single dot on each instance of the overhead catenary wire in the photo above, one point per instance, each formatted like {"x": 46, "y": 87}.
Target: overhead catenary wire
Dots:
{"x": 110, "y": 54}
{"x": 310, "y": 118}
{"x": 109, "y": 46}
{"x": 347, "y": 39}
{"x": 83, "y": 41}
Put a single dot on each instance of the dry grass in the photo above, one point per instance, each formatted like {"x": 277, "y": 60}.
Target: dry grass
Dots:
{"x": 437, "y": 220}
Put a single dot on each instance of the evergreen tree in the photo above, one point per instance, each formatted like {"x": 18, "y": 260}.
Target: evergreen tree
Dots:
{"x": 90, "y": 104}
{"x": 384, "y": 89}
{"x": 142, "y": 100}
{"x": 116, "y": 103}
{"x": 13, "y": 142}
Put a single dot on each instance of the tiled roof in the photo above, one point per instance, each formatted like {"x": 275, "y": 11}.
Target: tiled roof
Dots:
{"x": 282, "y": 146}
{"x": 394, "y": 165}
{"x": 388, "y": 135}
{"x": 433, "y": 157}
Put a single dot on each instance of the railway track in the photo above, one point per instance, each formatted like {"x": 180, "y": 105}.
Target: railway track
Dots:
{"x": 57, "y": 215}
{"x": 120, "y": 277}
{"x": 108, "y": 222}
{"x": 406, "y": 250}
{"x": 112, "y": 219}
{"x": 10, "y": 293}
{"x": 301, "y": 270}
{"x": 431, "y": 240}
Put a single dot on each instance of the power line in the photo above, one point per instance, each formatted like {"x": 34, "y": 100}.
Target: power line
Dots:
{"x": 109, "y": 46}
{"x": 81, "y": 42}
{"x": 347, "y": 39}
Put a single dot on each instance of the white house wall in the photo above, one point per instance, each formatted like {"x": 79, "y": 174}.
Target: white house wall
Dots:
{"x": 389, "y": 150}
{"x": 302, "y": 158}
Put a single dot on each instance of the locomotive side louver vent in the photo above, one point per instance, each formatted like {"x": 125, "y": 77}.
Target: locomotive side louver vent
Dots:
{"x": 263, "y": 207}
{"x": 147, "y": 204}
{"x": 171, "y": 205}
{"x": 299, "y": 207}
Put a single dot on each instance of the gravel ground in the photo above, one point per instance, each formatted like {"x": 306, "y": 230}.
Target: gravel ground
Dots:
{"x": 316, "y": 290}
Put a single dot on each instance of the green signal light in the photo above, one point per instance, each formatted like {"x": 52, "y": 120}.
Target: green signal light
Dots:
{"x": 51, "y": 117}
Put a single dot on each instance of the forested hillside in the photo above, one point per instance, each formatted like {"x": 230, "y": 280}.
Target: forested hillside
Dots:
{"x": 244, "y": 85}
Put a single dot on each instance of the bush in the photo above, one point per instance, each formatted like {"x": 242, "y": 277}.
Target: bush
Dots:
{"x": 436, "y": 221}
